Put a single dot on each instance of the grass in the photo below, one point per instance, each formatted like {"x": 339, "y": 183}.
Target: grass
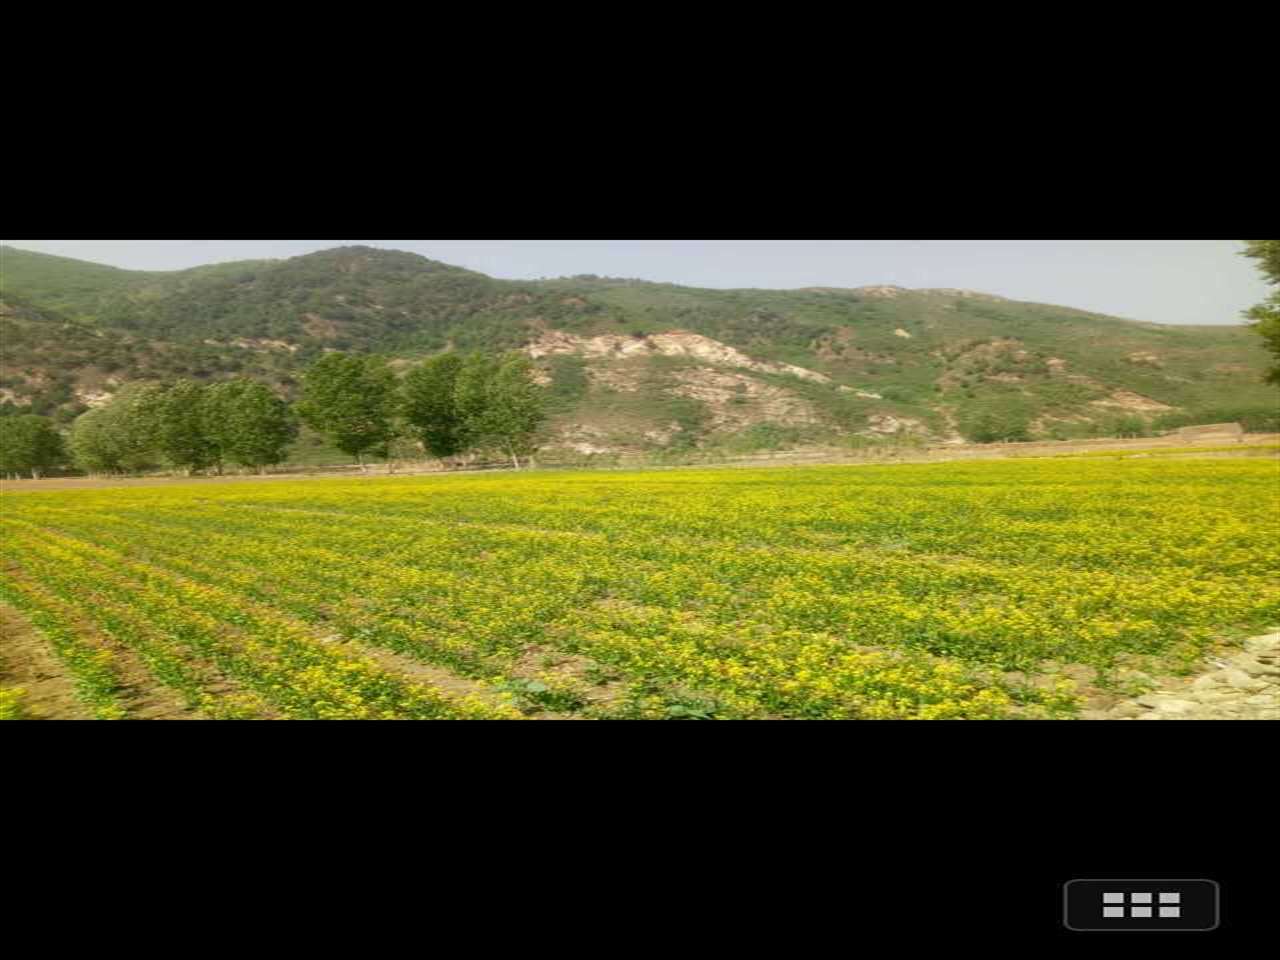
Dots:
{"x": 1246, "y": 449}
{"x": 11, "y": 704}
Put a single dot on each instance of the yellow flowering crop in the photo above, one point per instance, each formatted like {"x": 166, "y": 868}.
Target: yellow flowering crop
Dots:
{"x": 897, "y": 592}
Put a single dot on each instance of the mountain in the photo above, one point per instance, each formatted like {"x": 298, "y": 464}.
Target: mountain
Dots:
{"x": 632, "y": 364}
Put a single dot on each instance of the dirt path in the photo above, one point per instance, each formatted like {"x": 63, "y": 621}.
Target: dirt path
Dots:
{"x": 1244, "y": 686}
{"x": 26, "y": 662}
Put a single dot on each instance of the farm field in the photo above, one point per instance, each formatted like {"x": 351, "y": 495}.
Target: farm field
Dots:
{"x": 976, "y": 590}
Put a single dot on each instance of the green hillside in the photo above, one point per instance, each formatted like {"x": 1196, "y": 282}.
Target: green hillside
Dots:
{"x": 880, "y": 360}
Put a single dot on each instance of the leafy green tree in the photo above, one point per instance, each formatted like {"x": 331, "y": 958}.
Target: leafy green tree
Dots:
{"x": 1266, "y": 316}
{"x": 471, "y": 399}
{"x": 176, "y": 417}
{"x": 518, "y": 408}
{"x": 351, "y": 400}
{"x": 992, "y": 426}
{"x": 500, "y": 405}
{"x": 430, "y": 405}
{"x": 248, "y": 424}
{"x": 116, "y": 438}
{"x": 30, "y": 444}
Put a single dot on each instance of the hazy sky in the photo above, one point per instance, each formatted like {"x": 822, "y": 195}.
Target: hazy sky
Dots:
{"x": 1164, "y": 281}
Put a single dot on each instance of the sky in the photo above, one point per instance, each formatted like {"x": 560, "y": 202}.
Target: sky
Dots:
{"x": 1162, "y": 281}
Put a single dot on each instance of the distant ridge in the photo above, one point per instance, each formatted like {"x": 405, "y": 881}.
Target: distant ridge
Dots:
{"x": 874, "y": 361}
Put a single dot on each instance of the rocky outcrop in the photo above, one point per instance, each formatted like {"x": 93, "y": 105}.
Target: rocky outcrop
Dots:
{"x": 1244, "y": 686}
{"x": 1132, "y": 402}
{"x": 736, "y": 400}
{"x": 677, "y": 343}
{"x": 887, "y": 425}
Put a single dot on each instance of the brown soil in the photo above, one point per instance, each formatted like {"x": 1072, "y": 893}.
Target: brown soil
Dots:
{"x": 437, "y": 678}
{"x": 27, "y": 662}
{"x": 141, "y": 694}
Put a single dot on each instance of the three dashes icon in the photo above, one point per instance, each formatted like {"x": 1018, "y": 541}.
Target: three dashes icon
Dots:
{"x": 1142, "y": 906}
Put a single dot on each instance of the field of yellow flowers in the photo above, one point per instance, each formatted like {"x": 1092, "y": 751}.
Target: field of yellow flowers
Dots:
{"x": 897, "y": 592}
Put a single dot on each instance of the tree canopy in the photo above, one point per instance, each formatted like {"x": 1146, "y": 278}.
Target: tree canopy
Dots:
{"x": 351, "y": 400}
{"x": 30, "y": 444}
{"x": 248, "y": 424}
{"x": 116, "y": 438}
{"x": 1266, "y": 316}
{"x": 430, "y": 406}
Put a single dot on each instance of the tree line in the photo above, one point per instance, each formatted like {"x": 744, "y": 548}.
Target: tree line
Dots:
{"x": 450, "y": 406}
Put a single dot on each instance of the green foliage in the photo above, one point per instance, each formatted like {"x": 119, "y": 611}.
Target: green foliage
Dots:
{"x": 83, "y": 329}
{"x": 61, "y": 283}
{"x": 30, "y": 444}
{"x": 569, "y": 381}
{"x": 11, "y": 704}
{"x": 1267, "y": 252}
{"x": 430, "y": 405}
{"x": 1125, "y": 427}
{"x": 248, "y": 424}
{"x": 1266, "y": 316}
{"x": 499, "y": 405}
{"x": 115, "y": 438}
{"x": 350, "y": 399}
{"x": 177, "y": 419}
{"x": 996, "y": 426}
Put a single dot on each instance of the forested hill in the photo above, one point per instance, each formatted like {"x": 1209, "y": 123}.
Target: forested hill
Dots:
{"x": 632, "y": 362}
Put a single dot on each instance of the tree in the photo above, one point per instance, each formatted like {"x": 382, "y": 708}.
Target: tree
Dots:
{"x": 116, "y": 438}
{"x": 30, "y": 444}
{"x": 350, "y": 399}
{"x": 430, "y": 405}
{"x": 1266, "y": 316}
{"x": 471, "y": 399}
{"x": 997, "y": 426}
{"x": 518, "y": 408}
{"x": 176, "y": 417}
{"x": 248, "y": 424}
{"x": 499, "y": 405}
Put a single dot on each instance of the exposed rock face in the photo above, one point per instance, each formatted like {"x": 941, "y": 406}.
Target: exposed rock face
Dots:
{"x": 1124, "y": 400}
{"x": 677, "y": 343}
{"x": 261, "y": 344}
{"x": 1245, "y": 686}
{"x": 736, "y": 400}
{"x": 585, "y": 440}
{"x": 885, "y": 425}
{"x": 93, "y": 399}
{"x": 1141, "y": 359}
